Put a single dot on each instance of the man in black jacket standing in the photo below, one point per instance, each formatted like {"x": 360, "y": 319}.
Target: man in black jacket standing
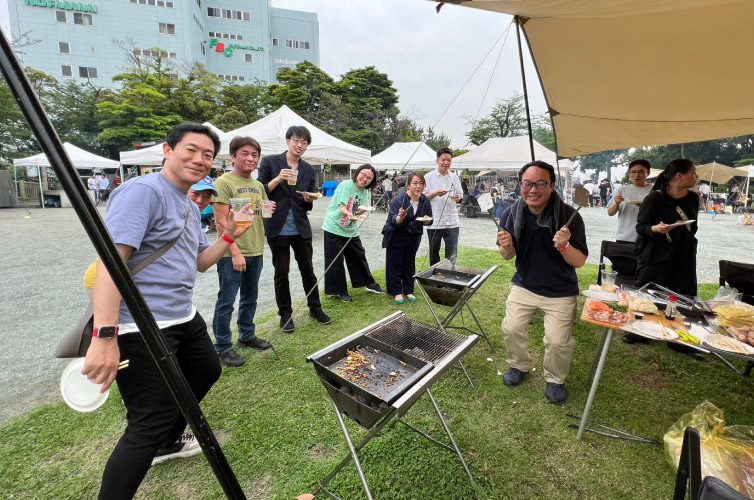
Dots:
{"x": 283, "y": 177}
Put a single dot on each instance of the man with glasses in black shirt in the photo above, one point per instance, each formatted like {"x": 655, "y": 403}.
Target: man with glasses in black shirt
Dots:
{"x": 547, "y": 254}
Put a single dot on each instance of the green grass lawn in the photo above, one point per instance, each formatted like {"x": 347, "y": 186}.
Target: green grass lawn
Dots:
{"x": 281, "y": 437}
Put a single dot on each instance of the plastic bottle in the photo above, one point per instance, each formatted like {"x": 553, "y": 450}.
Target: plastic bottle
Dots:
{"x": 671, "y": 308}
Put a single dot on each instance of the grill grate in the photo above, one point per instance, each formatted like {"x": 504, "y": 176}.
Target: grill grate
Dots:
{"x": 417, "y": 339}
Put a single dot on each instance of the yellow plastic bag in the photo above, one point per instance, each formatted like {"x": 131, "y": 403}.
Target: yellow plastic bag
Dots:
{"x": 727, "y": 452}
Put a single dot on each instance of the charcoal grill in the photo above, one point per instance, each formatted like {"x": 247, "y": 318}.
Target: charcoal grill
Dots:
{"x": 449, "y": 285}
{"x": 414, "y": 355}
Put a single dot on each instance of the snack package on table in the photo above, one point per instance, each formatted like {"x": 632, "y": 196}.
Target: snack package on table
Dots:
{"x": 637, "y": 301}
{"x": 727, "y": 452}
{"x": 737, "y": 314}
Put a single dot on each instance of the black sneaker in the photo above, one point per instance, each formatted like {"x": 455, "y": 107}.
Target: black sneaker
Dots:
{"x": 374, "y": 288}
{"x": 345, "y": 297}
{"x": 230, "y": 358}
{"x": 185, "y": 446}
{"x": 514, "y": 376}
{"x": 556, "y": 393}
{"x": 320, "y": 316}
{"x": 286, "y": 323}
{"x": 632, "y": 338}
{"x": 254, "y": 343}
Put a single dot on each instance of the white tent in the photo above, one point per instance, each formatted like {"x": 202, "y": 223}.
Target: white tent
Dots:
{"x": 153, "y": 155}
{"x": 270, "y": 132}
{"x": 507, "y": 154}
{"x": 397, "y": 156}
{"x": 82, "y": 160}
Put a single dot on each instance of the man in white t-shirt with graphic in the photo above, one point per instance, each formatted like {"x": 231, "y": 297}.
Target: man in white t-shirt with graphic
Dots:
{"x": 443, "y": 188}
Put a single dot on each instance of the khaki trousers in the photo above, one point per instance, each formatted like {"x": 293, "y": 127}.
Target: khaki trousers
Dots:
{"x": 559, "y": 314}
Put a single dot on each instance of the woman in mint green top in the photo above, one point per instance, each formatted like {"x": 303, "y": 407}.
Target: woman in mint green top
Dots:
{"x": 342, "y": 240}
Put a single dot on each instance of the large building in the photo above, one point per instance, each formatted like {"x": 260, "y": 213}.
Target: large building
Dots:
{"x": 238, "y": 40}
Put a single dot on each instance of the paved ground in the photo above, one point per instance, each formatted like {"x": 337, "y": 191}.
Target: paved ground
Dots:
{"x": 44, "y": 258}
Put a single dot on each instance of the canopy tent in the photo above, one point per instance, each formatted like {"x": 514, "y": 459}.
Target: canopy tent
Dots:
{"x": 81, "y": 159}
{"x": 747, "y": 170}
{"x": 507, "y": 154}
{"x": 599, "y": 106}
{"x": 717, "y": 173}
{"x": 153, "y": 155}
{"x": 270, "y": 132}
{"x": 407, "y": 156}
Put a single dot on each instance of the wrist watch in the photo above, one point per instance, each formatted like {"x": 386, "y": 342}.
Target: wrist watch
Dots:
{"x": 105, "y": 332}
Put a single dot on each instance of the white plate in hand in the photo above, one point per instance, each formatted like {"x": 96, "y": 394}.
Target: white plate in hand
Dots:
{"x": 684, "y": 223}
{"x": 78, "y": 392}
{"x": 653, "y": 330}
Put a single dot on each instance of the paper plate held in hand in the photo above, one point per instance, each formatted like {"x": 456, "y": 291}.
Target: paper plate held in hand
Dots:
{"x": 653, "y": 330}
{"x": 78, "y": 392}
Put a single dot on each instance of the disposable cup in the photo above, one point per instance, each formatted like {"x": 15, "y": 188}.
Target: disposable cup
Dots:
{"x": 292, "y": 180}
{"x": 267, "y": 207}
{"x": 608, "y": 281}
{"x": 242, "y": 217}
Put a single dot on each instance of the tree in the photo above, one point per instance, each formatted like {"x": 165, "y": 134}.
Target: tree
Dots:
{"x": 435, "y": 140}
{"x": 543, "y": 133}
{"x": 301, "y": 88}
{"x": 507, "y": 119}
{"x": 602, "y": 162}
{"x": 252, "y": 101}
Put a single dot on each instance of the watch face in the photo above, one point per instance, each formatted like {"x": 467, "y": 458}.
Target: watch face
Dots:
{"x": 107, "y": 332}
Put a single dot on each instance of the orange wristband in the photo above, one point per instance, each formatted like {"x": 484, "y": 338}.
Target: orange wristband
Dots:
{"x": 228, "y": 239}
{"x": 568, "y": 244}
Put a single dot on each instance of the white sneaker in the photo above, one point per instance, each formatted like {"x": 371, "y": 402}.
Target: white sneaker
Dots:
{"x": 185, "y": 446}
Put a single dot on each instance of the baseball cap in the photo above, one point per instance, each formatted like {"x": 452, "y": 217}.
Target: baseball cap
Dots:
{"x": 205, "y": 184}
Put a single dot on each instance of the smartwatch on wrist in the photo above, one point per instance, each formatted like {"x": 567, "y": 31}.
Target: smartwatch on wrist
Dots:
{"x": 105, "y": 332}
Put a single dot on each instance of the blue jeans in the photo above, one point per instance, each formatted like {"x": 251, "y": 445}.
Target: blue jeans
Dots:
{"x": 230, "y": 282}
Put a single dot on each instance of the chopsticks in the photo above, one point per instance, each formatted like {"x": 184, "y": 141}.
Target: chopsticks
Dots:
{"x": 734, "y": 345}
{"x": 123, "y": 364}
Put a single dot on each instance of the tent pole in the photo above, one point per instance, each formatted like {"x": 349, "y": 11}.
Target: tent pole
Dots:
{"x": 154, "y": 340}
{"x": 15, "y": 181}
{"x": 41, "y": 192}
{"x": 517, "y": 20}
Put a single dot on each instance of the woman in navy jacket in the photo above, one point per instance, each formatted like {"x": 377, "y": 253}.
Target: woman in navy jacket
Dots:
{"x": 403, "y": 233}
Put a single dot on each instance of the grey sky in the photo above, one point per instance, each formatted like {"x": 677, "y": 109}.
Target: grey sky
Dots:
{"x": 429, "y": 56}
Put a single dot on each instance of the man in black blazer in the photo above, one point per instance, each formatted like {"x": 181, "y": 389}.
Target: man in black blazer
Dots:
{"x": 283, "y": 175}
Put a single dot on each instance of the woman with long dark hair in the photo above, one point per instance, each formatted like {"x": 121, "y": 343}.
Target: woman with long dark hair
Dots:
{"x": 403, "y": 234}
{"x": 666, "y": 252}
{"x": 342, "y": 242}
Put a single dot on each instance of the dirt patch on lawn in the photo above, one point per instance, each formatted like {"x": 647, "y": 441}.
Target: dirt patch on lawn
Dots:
{"x": 651, "y": 380}
{"x": 261, "y": 488}
{"x": 319, "y": 452}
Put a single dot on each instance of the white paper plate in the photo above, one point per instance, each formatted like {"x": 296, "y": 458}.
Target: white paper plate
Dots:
{"x": 653, "y": 330}
{"x": 77, "y": 391}
{"x": 600, "y": 295}
{"x": 630, "y": 202}
{"x": 685, "y": 223}
{"x": 366, "y": 208}
{"x": 425, "y": 218}
{"x": 725, "y": 343}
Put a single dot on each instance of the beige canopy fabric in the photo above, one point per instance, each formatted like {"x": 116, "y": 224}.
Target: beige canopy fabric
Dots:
{"x": 629, "y": 73}
{"x": 717, "y": 172}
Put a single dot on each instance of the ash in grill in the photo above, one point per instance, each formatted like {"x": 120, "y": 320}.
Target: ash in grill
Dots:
{"x": 417, "y": 339}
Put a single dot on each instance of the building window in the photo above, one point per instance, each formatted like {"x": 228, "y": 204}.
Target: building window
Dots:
{"x": 66, "y": 70}
{"x": 247, "y": 18}
{"x": 169, "y": 5}
{"x": 61, "y": 16}
{"x": 160, "y": 3}
{"x": 94, "y": 49}
{"x": 211, "y": 12}
{"x": 204, "y": 51}
{"x": 232, "y": 36}
{"x": 172, "y": 76}
{"x": 134, "y": 1}
{"x": 306, "y": 45}
{"x": 151, "y": 2}
{"x": 289, "y": 44}
{"x": 83, "y": 19}
{"x": 248, "y": 57}
{"x": 85, "y": 72}
{"x": 143, "y": 2}
{"x": 173, "y": 55}
{"x": 64, "y": 47}
{"x": 275, "y": 42}
{"x": 167, "y": 29}
{"x": 227, "y": 14}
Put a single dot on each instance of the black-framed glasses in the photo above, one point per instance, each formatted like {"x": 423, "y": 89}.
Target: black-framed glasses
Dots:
{"x": 538, "y": 184}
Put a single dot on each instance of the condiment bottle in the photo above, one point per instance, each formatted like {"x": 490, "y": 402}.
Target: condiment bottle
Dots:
{"x": 670, "y": 309}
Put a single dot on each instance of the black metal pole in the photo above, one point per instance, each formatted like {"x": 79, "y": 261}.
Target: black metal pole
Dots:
{"x": 52, "y": 146}
{"x": 517, "y": 20}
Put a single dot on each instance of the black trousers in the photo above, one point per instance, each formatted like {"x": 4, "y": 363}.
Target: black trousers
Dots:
{"x": 355, "y": 258}
{"x": 400, "y": 263}
{"x": 281, "y": 261}
{"x": 153, "y": 418}
{"x": 678, "y": 275}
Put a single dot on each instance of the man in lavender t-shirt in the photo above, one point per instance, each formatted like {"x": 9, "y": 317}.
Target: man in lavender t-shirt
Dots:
{"x": 144, "y": 215}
